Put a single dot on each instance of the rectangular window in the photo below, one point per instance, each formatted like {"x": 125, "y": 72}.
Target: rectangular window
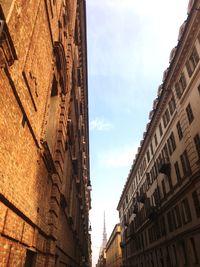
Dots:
{"x": 197, "y": 144}
{"x": 166, "y": 153}
{"x": 174, "y": 255}
{"x": 184, "y": 252}
{"x": 185, "y": 211}
{"x": 156, "y": 141}
{"x": 166, "y": 118}
{"x": 171, "y": 143}
{"x": 162, "y": 226}
{"x": 185, "y": 164}
{"x": 179, "y": 130}
{"x": 177, "y": 217}
{"x": 178, "y": 90}
{"x": 170, "y": 221}
{"x": 196, "y": 202}
{"x": 192, "y": 62}
{"x": 151, "y": 146}
{"x": 160, "y": 129}
{"x": 148, "y": 156}
{"x": 163, "y": 188}
{"x": 194, "y": 251}
{"x": 178, "y": 175}
{"x": 180, "y": 86}
{"x": 182, "y": 82}
{"x": 172, "y": 105}
{"x": 189, "y": 113}
{"x": 30, "y": 259}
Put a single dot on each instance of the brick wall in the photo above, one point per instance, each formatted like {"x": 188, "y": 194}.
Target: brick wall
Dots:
{"x": 36, "y": 168}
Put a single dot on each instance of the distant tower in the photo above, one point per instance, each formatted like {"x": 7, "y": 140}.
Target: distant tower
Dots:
{"x": 104, "y": 241}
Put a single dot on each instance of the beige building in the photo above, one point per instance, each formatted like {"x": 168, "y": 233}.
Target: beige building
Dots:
{"x": 113, "y": 248}
{"x": 159, "y": 207}
{"x": 44, "y": 137}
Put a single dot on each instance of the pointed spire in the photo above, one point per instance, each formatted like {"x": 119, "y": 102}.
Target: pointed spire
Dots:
{"x": 104, "y": 241}
{"x": 104, "y": 229}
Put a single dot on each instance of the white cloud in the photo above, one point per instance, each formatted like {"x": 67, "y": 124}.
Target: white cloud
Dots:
{"x": 100, "y": 125}
{"x": 118, "y": 157}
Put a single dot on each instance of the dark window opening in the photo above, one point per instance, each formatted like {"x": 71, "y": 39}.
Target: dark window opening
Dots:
{"x": 179, "y": 130}
{"x": 194, "y": 251}
{"x": 185, "y": 211}
{"x": 178, "y": 174}
{"x": 196, "y": 202}
{"x": 197, "y": 144}
{"x": 160, "y": 129}
{"x": 30, "y": 258}
{"x": 189, "y": 113}
{"x": 192, "y": 62}
{"x": 185, "y": 164}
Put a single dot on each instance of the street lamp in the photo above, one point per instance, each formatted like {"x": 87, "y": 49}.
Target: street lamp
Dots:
{"x": 89, "y": 186}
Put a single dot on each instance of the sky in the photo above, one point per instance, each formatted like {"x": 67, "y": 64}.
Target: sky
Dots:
{"x": 129, "y": 44}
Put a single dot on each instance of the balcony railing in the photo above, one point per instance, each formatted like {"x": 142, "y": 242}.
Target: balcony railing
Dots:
{"x": 165, "y": 167}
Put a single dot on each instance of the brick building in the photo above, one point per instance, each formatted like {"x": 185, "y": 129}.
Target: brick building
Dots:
{"x": 44, "y": 141}
{"x": 159, "y": 207}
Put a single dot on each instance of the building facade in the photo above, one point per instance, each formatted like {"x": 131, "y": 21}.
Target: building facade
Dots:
{"x": 159, "y": 207}
{"x": 44, "y": 137}
{"x": 113, "y": 248}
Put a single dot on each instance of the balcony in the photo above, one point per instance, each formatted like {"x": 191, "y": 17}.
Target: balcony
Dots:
{"x": 152, "y": 212}
{"x": 142, "y": 197}
{"x": 165, "y": 167}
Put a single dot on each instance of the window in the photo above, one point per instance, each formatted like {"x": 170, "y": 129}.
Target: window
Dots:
{"x": 156, "y": 141}
{"x": 162, "y": 226}
{"x": 166, "y": 153}
{"x": 178, "y": 175}
{"x": 148, "y": 156}
{"x": 166, "y": 118}
{"x": 182, "y": 82}
{"x": 180, "y": 86}
{"x": 185, "y": 211}
{"x": 160, "y": 129}
{"x": 197, "y": 144}
{"x": 174, "y": 256}
{"x": 30, "y": 258}
{"x": 185, "y": 164}
{"x": 170, "y": 221}
{"x": 163, "y": 188}
{"x": 196, "y": 202}
{"x": 177, "y": 217}
{"x": 189, "y": 113}
{"x": 179, "y": 130}
{"x": 151, "y": 146}
{"x": 171, "y": 143}
{"x": 184, "y": 252}
{"x": 194, "y": 251}
{"x": 172, "y": 105}
{"x": 192, "y": 62}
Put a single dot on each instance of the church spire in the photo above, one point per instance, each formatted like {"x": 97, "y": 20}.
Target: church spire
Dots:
{"x": 104, "y": 229}
{"x": 104, "y": 241}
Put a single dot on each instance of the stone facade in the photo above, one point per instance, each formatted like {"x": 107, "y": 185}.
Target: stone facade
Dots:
{"x": 113, "y": 249}
{"x": 159, "y": 207}
{"x": 44, "y": 159}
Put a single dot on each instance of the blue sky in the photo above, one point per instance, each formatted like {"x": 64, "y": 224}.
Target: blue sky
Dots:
{"x": 129, "y": 43}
